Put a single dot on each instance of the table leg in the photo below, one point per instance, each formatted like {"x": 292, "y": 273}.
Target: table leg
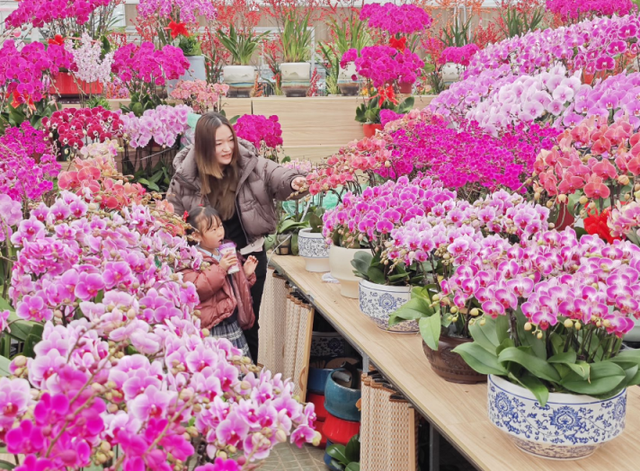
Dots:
{"x": 365, "y": 364}
{"x": 434, "y": 449}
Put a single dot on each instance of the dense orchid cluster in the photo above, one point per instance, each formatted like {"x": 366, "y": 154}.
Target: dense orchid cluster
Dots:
{"x": 598, "y": 44}
{"x": 116, "y": 275}
{"x": 10, "y": 216}
{"x": 458, "y": 55}
{"x": 349, "y": 165}
{"x": 396, "y": 19}
{"x": 25, "y": 69}
{"x": 40, "y": 12}
{"x": 76, "y": 127}
{"x": 450, "y": 232}
{"x": 87, "y": 57}
{"x": 264, "y": 133}
{"x": 464, "y": 158}
{"x": 186, "y": 10}
{"x": 96, "y": 178}
{"x": 577, "y": 9}
{"x": 302, "y": 166}
{"x": 200, "y": 95}
{"x": 163, "y": 124}
{"x": 27, "y": 163}
{"x": 383, "y": 64}
{"x": 594, "y": 158}
{"x": 137, "y": 65}
{"x": 553, "y": 278}
{"x": 370, "y": 218}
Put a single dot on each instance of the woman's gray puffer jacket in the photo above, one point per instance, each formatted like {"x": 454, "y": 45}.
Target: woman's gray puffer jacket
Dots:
{"x": 261, "y": 181}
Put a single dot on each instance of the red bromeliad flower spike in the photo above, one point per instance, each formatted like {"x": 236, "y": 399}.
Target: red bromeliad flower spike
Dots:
{"x": 398, "y": 44}
{"x": 178, "y": 29}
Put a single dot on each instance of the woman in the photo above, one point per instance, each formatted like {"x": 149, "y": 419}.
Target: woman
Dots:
{"x": 226, "y": 173}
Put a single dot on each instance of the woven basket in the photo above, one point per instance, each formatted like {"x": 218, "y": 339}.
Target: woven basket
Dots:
{"x": 272, "y": 323}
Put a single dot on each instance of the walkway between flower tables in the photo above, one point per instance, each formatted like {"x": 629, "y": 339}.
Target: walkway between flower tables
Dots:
{"x": 288, "y": 457}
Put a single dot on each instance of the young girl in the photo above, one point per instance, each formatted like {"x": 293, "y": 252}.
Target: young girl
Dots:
{"x": 224, "y": 299}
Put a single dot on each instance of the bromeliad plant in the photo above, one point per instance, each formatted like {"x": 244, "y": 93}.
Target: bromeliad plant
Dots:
{"x": 550, "y": 314}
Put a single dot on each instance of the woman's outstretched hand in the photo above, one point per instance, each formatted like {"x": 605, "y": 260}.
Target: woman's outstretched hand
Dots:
{"x": 299, "y": 184}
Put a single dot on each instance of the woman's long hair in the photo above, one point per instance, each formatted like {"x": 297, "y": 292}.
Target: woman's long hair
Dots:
{"x": 218, "y": 184}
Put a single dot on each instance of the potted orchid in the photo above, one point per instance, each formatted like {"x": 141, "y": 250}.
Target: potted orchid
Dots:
{"x": 455, "y": 233}
{"x": 549, "y": 333}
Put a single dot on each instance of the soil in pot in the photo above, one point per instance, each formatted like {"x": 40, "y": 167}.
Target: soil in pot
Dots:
{"x": 450, "y": 365}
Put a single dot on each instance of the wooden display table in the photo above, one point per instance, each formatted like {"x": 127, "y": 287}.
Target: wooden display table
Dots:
{"x": 457, "y": 412}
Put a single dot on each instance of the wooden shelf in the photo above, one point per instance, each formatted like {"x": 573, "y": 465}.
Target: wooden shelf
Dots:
{"x": 459, "y": 412}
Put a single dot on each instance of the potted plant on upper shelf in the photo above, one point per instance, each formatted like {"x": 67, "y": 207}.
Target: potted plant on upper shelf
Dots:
{"x": 440, "y": 243}
{"x": 368, "y": 112}
{"x": 549, "y": 334}
{"x": 295, "y": 69}
{"x": 240, "y": 75}
{"x": 193, "y": 54}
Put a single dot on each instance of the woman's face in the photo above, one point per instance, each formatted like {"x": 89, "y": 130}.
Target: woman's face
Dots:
{"x": 224, "y": 145}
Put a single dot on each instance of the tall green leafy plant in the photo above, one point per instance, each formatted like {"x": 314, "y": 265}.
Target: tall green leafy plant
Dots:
{"x": 517, "y": 21}
{"x": 296, "y": 38}
{"x": 350, "y": 34}
{"x": 332, "y": 64}
{"x": 240, "y": 45}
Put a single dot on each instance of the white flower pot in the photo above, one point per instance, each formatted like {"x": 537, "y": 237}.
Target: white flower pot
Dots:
{"x": 196, "y": 71}
{"x": 296, "y": 78}
{"x": 451, "y": 73}
{"x": 240, "y": 78}
{"x": 634, "y": 334}
{"x": 346, "y": 84}
{"x": 315, "y": 251}
{"x": 378, "y": 302}
{"x": 569, "y": 427}
{"x": 342, "y": 270}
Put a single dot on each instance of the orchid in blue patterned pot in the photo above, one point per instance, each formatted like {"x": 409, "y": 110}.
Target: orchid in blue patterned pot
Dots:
{"x": 549, "y": 315}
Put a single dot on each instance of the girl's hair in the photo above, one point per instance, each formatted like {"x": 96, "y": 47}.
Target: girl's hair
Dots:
{"x": 204, "y": 218}
{"x": 217, "y": 183}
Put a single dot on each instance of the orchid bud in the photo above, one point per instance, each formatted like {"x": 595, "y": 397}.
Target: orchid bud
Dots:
{"x": 583, "y": 200}
{"x": 101, "y": 458}
{"x": 528, "y": 326}
{"x": 20, "y": 361}
{"x": 539, "y": 335}
{"x": 562, "y": 198}
{"x": 232, "y": 449}
{"x": 623, "y": 180}
{"x": 474, "y": 312}
{"x": 281, "y": 436}
{"x": 206, "y": 333}
{"x": 568, "y": 323}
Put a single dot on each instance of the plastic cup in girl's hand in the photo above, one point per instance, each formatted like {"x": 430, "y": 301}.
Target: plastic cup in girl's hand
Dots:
{"x": 229, "y": 248}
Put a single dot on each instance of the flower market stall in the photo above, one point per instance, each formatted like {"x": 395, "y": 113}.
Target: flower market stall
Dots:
{"x": 454, "y": 276}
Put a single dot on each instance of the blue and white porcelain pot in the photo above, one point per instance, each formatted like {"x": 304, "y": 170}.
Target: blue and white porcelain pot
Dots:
{"x": 378, "y": 302}
{"x": 569, "y": 427}
{"x": 315, "y": 251}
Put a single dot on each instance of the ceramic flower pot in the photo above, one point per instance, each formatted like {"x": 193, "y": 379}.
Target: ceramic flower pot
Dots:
{"x": 328, "y": 345}
{"x": 405, "y": 88}
{"x": 318, "y": 379}
{"x": 634, "y": 334}
{"x": 449, "y": 365}
{"x": 66, "y": 86}
{"x": 196, "y": 71}
{"x": 370, "y": 129}
{"x": 318, "y": 401}
{"x": 378, "y": 302}
{"x": 569, "y": 427}
{"x": 240, "y": 79}
{"x": 295, "y": 78}
{"x": 315, "y": 251}
{"x": 346, "y": 84}
{"x": 339, "y": 431}
{"x": 340, "y": 398}
{"x": 342, "y": 270}
{"x": 451, "y": 73}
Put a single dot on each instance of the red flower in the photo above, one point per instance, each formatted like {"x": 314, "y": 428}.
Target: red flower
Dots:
{"x": 57, "y": 40}
{"x": 387, "y": 94}
{"x": 398, "y": 44}
{"x": 597, "y": 224}
{"x": 185, "y": 216}
{"x": 178, "y": 29}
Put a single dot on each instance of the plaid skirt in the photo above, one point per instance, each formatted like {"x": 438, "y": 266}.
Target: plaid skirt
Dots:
{"x": 233, "y": 333}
